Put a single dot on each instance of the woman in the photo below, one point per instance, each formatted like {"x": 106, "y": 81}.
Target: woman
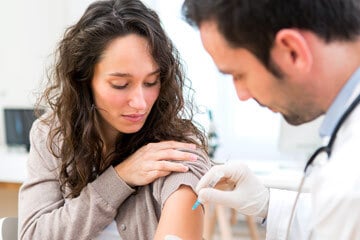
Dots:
{"x": 114, "y": 158}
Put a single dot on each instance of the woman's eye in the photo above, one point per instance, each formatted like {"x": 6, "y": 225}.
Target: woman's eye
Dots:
{"x": 119, "y": 86}
{"x": 150, "y": 84}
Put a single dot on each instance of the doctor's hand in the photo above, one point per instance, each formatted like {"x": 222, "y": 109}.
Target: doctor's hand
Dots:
{"x": 155, "y": 160}
{"x": 240, "y": 189}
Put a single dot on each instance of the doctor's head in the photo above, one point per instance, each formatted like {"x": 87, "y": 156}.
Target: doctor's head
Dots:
{"x": 283, "y": 54}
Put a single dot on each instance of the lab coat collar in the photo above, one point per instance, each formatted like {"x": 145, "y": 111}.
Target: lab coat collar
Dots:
{"x": 339, "y": 106}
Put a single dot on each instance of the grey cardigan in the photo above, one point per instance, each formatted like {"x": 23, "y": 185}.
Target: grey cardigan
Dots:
{"x": 45, "y": 213}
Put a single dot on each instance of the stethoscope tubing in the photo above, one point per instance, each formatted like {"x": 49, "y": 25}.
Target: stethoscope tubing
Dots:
{"x": 328, "y": 148}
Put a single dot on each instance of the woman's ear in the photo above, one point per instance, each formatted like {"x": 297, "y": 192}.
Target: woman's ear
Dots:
{"x": 291, "y": 52}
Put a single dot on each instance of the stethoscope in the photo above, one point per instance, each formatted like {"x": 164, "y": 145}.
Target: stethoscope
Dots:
{"x": 327, "y": 149}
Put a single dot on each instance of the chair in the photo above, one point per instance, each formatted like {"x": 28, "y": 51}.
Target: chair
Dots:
{"x": 8, "y": 228}
{"x": 215, "y": 213}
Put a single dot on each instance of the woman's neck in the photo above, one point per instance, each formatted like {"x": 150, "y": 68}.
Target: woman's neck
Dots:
{"x": 108, "y": 135}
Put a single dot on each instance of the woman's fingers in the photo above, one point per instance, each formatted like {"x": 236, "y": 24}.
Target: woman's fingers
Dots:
{"x": 169, "y": 150}
{"x": 155, "y": 160}
{"x": 170, "y": 166}
{"x": 170, "y": 145}
{"x": 176, "y": 155}
{"x": 164, "y": 168}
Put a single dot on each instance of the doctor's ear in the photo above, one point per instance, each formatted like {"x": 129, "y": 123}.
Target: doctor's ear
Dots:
{"x": 291, "y": 52}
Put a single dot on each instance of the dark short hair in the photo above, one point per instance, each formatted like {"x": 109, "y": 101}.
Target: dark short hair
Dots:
{"x": 253, "y": 24}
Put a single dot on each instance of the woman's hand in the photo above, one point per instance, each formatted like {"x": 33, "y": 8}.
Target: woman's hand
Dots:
{"x": 155, "y": 160}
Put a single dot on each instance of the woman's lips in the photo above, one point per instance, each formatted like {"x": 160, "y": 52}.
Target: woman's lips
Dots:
{"x": 134, "y": 117}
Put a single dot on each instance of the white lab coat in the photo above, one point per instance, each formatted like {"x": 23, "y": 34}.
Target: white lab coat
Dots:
{"x": 332, "y": 208}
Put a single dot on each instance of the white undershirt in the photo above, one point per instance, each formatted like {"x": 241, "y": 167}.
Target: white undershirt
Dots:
{"x": 109, "y": 233}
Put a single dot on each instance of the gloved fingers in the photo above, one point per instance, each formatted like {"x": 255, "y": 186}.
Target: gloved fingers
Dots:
{"x": 231, "y": 172}
{"x": 235, "y": 171}
{"x": 212, "y": 195}
{"x": 208, "y": 178}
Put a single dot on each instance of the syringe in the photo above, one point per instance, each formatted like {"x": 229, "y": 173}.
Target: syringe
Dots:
{"x": 213, "y": 182}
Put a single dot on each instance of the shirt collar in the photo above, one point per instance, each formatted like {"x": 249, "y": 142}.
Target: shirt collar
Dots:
{"x": 337, "y": 108}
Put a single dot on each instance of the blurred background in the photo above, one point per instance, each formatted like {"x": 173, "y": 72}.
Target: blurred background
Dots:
{"x": 243, "y": 131}
{"x": 31, "y": 29}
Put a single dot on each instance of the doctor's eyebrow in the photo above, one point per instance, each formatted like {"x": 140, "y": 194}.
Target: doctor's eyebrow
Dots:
{"x": 120, "y": 74}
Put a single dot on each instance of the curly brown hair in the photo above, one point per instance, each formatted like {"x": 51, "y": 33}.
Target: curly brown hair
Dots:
{"x": 68, "y": 94}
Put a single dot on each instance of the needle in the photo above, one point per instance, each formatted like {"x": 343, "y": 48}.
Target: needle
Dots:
{"x": 213, "y": 182}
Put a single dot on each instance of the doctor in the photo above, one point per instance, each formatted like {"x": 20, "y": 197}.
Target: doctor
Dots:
{"x": 301, "y": 59}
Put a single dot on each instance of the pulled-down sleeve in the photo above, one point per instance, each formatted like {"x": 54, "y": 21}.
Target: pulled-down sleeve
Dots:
{"x": 164, "y": 187}
{"x": 44, "y": 211}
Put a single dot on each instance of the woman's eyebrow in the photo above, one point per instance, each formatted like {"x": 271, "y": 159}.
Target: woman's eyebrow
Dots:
{"x": 154, "y": 72}
{"x": 120, "y": 74}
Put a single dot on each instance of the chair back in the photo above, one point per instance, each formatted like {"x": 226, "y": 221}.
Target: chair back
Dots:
{"x": 8, "y": 228}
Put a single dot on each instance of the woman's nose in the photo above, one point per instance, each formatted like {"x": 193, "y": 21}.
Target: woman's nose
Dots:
{"x": 137, "y": 99}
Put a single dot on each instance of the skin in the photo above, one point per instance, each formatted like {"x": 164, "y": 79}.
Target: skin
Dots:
{"x": 304, "y": 60}
{"x": 125, "y": 86}
{"x": 178, "y": 219}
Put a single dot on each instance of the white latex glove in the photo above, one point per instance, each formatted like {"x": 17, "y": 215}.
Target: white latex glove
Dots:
{"x": 242, "y": 190}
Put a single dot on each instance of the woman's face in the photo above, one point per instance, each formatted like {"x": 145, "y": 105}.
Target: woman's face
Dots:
{"x": 125, "y": 85}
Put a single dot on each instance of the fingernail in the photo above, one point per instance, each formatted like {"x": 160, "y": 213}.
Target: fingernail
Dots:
{"x": 193, "y": 157}
{"x": 186, "y": 168}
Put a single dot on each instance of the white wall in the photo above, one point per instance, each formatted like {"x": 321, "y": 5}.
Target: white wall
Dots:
{"x": 29, "y": 33}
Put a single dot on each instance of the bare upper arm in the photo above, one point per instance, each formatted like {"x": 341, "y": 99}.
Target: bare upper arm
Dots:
{"x": 177, "y": 217}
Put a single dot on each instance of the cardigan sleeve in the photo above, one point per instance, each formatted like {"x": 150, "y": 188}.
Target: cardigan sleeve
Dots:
{"x": 167, "y": 185}
{"x": 44, "y": 212}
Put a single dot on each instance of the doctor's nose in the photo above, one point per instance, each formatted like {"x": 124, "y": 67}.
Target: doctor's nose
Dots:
{"x": 242, "y": 91}
{"x": 137, "y": 99}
